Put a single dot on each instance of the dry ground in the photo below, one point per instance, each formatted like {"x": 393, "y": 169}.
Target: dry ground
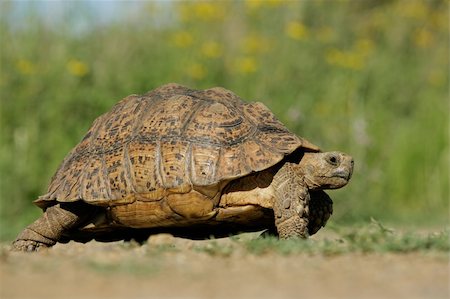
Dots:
{"x": 168, "y": 267}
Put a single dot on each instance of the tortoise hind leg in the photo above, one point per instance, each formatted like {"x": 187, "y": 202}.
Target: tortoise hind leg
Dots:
{"x": 49, "y": 228}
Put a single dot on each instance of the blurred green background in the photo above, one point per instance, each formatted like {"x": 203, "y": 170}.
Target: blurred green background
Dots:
{"x": 366, "y": 77}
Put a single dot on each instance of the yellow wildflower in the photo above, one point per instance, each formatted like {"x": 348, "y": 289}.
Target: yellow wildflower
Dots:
{"x": 246, "y": 65}
{"x": 255, "y": 44}
{"x": 25, "y": 67}
{"x": 364, "y": 46}
{"x": 275, "y": 3}
{"x": 423, "y": 38}
{"x": 197, "y": 71}
{"x": 77, "y": 68}
{"x": 182, "y": 39}
{"x": 413, "y": 9}
{"x": 208, "y": 11}
{"x": 296, "y": 30}
{"x": 349, "y": 60}
{"x": 355, "y": 58}
{"x": 211, "y": 49}
{"x": 255, "y": 4}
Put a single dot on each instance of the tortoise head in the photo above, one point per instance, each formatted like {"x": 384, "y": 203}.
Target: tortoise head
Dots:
{"x": 329, "y": 170}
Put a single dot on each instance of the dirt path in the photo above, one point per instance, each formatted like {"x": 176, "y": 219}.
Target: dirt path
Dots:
{"x": 117, "y": 270}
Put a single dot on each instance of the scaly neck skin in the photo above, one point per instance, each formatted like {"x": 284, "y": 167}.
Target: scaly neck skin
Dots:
{"x": 304, "y": 168}
{"x": 285, "y": 174}
{"x": 312, "y": 185}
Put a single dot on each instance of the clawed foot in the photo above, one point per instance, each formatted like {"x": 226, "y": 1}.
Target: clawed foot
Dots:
{"x": 28, "y": 246}
{"x": 269, "y": 233}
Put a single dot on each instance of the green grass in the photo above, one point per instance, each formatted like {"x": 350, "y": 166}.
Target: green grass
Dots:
{"x": 367, "y": 238}
{"x": 370, "y": 238}
{"x": 366, "y": 77}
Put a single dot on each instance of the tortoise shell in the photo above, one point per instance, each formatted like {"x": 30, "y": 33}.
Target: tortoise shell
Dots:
{"x": 170, "y": 140}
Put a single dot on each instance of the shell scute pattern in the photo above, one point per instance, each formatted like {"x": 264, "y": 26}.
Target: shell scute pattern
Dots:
{"x": 166, "y": 119}
{"x": 143, "y": 159}
{"x": 169, "y": 140}
{"x": 117, "y": 126}
{"x": 204, "y": 159}
{"x": 217, "y": 124}
{"x": 173, "y": 165}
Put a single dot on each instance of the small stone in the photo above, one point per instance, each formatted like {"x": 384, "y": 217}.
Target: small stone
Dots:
{"x": 161, "y": 239}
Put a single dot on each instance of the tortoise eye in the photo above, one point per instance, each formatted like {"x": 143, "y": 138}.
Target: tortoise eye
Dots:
{"x": 333, "y": 160}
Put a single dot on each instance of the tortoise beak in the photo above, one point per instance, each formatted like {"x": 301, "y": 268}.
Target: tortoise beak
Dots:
{"x": 345, "y": 168}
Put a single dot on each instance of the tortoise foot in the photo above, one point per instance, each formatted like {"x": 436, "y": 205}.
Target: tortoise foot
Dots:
{"x": 28, "y": 246}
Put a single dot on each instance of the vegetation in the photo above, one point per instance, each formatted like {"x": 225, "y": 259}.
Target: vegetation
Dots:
{"x": 366, "y": 77}
{"x": 371, "y": 238}
{"x": 366, "y": 239}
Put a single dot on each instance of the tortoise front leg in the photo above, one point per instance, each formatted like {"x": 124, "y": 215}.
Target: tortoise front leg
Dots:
{"x": 291, "y": 206}
{"x": 48, "y": 228}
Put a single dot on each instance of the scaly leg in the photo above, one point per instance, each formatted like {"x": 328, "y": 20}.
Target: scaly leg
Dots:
{"x": 48, "y": 229}
{"x": 291, "y": 205}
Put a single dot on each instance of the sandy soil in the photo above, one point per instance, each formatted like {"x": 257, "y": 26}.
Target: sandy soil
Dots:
{"x": 118, "y": 270}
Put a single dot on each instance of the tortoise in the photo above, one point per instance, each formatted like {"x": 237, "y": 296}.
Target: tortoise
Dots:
{"x": 193, "y": 163}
